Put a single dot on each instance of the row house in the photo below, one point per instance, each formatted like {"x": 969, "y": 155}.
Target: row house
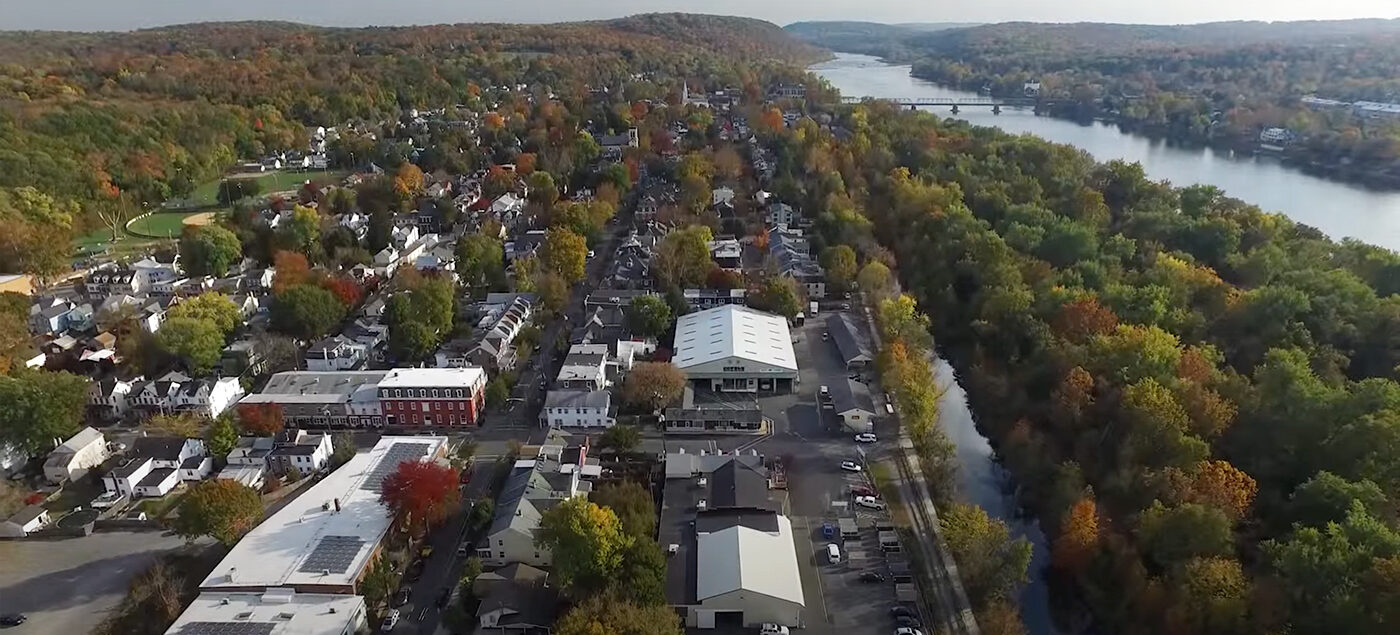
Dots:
{"x": 109, "y": 399}
{"x": 433, "y": 396}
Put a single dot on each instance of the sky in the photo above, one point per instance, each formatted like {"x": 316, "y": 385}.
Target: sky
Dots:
{"x": 106, "y": 15}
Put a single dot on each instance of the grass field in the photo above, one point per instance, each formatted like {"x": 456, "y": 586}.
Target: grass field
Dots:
{"x": 207, "y": 193}
{"x": 168, "y": 224}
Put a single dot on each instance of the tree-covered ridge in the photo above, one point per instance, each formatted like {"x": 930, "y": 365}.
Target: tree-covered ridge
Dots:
{"x": 90, "y": 117}
{"x": 1199, "y": 399}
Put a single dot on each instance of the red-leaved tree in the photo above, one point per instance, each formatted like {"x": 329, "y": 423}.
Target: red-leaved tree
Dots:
{"x": 420, "y": 495}
{"x": 260, "y": 420}
{"x": 345, "y": 289}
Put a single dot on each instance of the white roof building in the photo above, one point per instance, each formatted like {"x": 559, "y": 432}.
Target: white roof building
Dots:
{"x": 434, "y": 378}
{"x": 735, "y": 348}
{"x": 750, "y": 569}
{"x": 324, "y": 539}
{"x": 274, "y": 612}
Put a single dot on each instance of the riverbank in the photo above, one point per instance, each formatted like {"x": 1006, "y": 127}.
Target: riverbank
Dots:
{"x": 1384, "y": 180}
{"x": 1336, "y": 208}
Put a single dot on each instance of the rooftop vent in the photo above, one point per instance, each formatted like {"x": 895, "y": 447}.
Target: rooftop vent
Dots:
{"x": 702, "y": 505}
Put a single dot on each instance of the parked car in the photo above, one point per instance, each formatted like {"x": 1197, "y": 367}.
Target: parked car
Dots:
{"x": 871, "y": 576}
{"x": 833, "y": 553}
{"x": 12, "y": 619}
{"x": 391, "y": 619}
{"x": 772, "y": 629}
{"x": 850, "y": 466}
{"x": 825, "y": 335}
{"x": 864, "y": 490}
{"x": 401, "y": 598}
{"x": 905, "y": 620}
{"x": 897, "y": 611}
{"x": 865, "y": 437}
{"x": 828, "y": 531}
{"x": 443, "y": 596}
{"x": 870, "y": 502}
{"x": 907, "y": 630}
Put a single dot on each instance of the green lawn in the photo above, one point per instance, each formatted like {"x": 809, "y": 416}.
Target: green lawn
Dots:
{"x": 168, "y": 224}
{"x": 207, "y": 194}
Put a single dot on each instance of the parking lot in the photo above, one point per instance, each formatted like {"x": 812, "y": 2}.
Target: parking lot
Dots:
{"x": 69, "y": 585}
{"x": 813, "y": 443}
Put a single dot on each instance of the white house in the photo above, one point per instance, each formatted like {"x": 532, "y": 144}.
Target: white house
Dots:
{"x": 72, "y": 460}
{"x": 24, "y": 522}
{"x": 583, "y": 371}
{"x": 207, "y": 397}
{"x": 109, "y": 396}
{"x": 735, "y": 349}
{"x": 577, "y": 409}
{"x": 336, "y": 353}
{"x": 307, "y": 453}
{"x": 157, "y": 465}
{"x": 403, "y": 236}
{"x": 534, "y": 484}
{"x": 722, "y": 196}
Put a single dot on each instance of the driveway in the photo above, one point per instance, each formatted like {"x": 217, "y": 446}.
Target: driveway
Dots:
{"x": 69, "y": 585}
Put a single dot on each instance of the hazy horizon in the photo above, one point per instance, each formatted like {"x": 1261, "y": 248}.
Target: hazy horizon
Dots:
{"x": 123, "y": 15}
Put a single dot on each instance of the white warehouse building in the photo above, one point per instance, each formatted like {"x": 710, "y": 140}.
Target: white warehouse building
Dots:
{"x": 733, "y": 348}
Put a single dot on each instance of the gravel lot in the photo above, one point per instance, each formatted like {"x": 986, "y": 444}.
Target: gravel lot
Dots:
{"x": 69, "y": 585}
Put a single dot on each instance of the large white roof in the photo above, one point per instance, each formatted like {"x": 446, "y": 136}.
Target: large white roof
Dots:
{"x": 309, "y": 542}
{"x": 741, "y": 557}
{"x": 278, "y": 612}
{"x": 733, "y": 331}
{"x": 433, "y": 378}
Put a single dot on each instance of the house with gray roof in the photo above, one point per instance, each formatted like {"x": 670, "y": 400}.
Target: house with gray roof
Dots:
{"x": 534, "y": 486}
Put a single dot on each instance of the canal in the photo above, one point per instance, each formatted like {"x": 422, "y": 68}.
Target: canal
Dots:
{"x": 1338, "y": 209}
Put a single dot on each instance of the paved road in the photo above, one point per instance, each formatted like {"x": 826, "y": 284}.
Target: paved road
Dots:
{"x": 444, "y": 569}
{"x": 70, "y": 585}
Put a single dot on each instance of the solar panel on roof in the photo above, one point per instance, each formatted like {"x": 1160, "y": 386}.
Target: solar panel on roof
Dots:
{"x": 397, "y": 453}
{"x": 332, "y": 553}
{"x": 227, "y": 628}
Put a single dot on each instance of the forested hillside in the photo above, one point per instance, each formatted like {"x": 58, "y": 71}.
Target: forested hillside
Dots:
{"x": 105, "y": 119}
{"x": 1199, "y": 399}
{"x": 1219, "y": 84}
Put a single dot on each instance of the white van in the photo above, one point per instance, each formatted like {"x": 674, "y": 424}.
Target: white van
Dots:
{"x": 833, "y": 553}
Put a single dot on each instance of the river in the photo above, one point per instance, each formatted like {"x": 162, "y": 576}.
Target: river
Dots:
{"x": 1338, "y": 209}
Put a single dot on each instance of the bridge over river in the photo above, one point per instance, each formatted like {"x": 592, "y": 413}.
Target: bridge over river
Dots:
{"x": 995, "y": 103}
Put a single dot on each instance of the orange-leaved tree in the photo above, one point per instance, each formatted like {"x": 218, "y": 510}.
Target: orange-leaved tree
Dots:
{"x": 420, "y": 495}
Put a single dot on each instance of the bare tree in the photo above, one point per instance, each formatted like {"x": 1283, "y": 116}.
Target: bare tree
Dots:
{"x": 115, "y": 215}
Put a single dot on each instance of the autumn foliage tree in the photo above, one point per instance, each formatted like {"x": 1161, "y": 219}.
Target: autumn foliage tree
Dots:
{"x": 292, "y": 269}
{"x": 420, "y": 495}
{"x": 218, "y": 508}
{"x": 1079, "y": 537}
{"x": 652, "y": 385}
{"x": 1084, "y": 318}
{"x": 260, "y": 420}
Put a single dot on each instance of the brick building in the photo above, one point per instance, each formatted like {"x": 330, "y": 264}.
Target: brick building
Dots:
{"x": 432, "y": 396}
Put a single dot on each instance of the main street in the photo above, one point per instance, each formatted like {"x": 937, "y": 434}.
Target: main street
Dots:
{"x": 505, "y": 424}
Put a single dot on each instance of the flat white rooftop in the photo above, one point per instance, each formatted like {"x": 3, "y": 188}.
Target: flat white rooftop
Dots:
{"x": 733, "y": 331}
{"x": 432, "y": 377}
{"x": 308, "y": 542}
{"x": 276, "y": 612}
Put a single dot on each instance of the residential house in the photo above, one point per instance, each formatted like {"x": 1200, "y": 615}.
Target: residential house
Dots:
{"x": 109, "y": 398}
{"x": 791, "y": 251}
{"x": 583, "y": 372}
{"x": 158, "y": 395}
{"x": 504, "y": 316}
{"x": 209, "y": 397}
{"x": 577, "y": 409}
{"x": 613, "y": 145}
{"x": 782, "y": 214}
{"x": 49, "y": 316}
{"x": 386, "y": 262}
{"x": 533, "y": 486}
{"x": 854, "y": 405}
{"x": 515, "y": 599}
{"x": 402, "y": 236}
{"x": 308, "y": 453}
{"x": 336, "y": 353}
{"x": 722, "y": 196}
{"x": 726, "y": 252}
{"x": 241, "y": 357}
{"x": 701, "y": 299}
{"x": 72, "y": 460}
{"x": 155, "y": 465}
{"x": 25, "y": 521}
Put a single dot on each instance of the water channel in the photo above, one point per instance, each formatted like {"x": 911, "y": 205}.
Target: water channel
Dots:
{"x": 1338, "y": 209}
